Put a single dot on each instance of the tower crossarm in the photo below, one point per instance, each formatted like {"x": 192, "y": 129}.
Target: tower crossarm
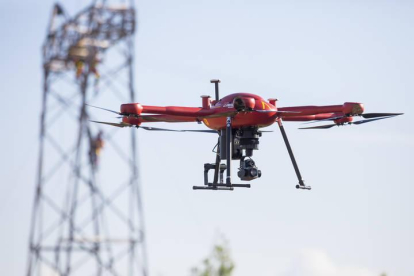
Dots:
{"x": 94, "y": 29}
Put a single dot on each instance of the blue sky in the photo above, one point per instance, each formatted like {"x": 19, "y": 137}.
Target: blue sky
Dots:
{"x": 357, "y": 220}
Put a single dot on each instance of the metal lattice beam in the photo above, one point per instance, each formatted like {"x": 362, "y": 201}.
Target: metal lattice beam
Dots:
{"x": 84, "y": 222}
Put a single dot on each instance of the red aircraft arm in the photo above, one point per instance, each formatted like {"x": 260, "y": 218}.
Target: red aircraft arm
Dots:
{"x": 307, "y": 113}
{"x": 266, "y": 111}
{"x": 246, "y": 110}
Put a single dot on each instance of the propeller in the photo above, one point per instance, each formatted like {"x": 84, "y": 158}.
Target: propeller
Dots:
{"x": 176, "y": 130}
{"x": 122, "y": 124}
{"x": 113, "y": 111}
{"x": 352, "y": 123}
{"x": 365, "y": 115}
{"x": 319, "y": 127}
{"x": 371, "y": 120}
{"x": 376, "y": 115}
{"x": 155, "y": 118}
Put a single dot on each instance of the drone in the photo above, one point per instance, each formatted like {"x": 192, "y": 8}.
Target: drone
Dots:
{"x": 238, "y": 120}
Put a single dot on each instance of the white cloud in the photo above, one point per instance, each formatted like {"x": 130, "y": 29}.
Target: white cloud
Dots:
{"x": 315, "y": 262}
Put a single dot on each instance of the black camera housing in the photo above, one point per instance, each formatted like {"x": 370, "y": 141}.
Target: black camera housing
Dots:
{"x": 244, "y": 141}
{"x": 248, "y": 169}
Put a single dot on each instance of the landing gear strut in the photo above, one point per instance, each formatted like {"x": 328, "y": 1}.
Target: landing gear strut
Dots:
{"x": 220, "y": 168}
{"x": 239, "y": 144}
{"x": 301, "y": 184}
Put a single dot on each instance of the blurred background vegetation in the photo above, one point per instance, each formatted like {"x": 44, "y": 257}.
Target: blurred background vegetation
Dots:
{"x": 217, "y": 263}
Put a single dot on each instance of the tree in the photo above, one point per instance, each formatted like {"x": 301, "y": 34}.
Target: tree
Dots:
{"x": 218, "y": 263}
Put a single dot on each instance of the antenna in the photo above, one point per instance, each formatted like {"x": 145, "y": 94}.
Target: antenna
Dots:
{"x": 216, "y": 84}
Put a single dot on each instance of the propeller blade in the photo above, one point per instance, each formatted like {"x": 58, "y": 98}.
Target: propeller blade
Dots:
{"x": 113, "y": 111}
{"x": 114, "y": 124}
{"x": 153, "y": 128}
{"x": 154, "y": 118}
{"x": 319, "y": 127}
{"x": 371, "y": 120}
{"x": 376, "y": 115}
{"x": 176, "y": 130}
{"x": 366, "y": 116}
{"x": 352, "y": 123}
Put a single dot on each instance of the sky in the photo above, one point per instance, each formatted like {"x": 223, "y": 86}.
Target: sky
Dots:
{"x": 358, "y": 219}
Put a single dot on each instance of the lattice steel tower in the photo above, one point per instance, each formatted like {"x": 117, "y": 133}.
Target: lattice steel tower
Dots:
{"x": 87, "y": 215}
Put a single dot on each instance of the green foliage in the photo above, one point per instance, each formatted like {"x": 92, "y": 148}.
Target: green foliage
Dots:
{"x": 219, "y": 263}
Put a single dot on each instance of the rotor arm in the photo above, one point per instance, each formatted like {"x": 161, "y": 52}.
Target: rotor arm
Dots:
{"x": 311, "y": 109}
{"x": 305, "y": 118}
{"x": 346, "y": 108}
{"x": 175, "y": 110}
{"x": 132, "y": 113}
{"x": 158, "y": 118}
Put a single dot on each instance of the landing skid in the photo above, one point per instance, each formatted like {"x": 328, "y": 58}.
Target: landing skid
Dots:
{"x": 218, "y": 171}
{"x": 220, "y": 168}
{"x": 215, "y": 185}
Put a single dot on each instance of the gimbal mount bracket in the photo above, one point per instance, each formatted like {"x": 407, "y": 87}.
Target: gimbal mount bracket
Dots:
{"x": 220, "y": 168}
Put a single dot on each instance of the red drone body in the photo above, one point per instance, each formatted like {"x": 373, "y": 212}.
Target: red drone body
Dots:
{"x": 242, "y": 104}
{"x": 237, "y": 119}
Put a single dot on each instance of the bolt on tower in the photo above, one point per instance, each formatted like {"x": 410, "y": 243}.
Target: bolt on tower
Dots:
{"x": 87, "y": 217}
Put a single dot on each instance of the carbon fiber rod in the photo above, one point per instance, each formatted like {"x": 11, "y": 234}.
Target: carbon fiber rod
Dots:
{"x": 228, "y": 150}
{"x": 292, "y": 158}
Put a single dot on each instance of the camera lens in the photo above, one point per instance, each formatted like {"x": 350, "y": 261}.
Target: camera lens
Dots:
{"x": 253, "y": 172}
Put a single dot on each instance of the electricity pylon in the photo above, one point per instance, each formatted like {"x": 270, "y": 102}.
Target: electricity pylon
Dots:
{"x": 87, "y": 215}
